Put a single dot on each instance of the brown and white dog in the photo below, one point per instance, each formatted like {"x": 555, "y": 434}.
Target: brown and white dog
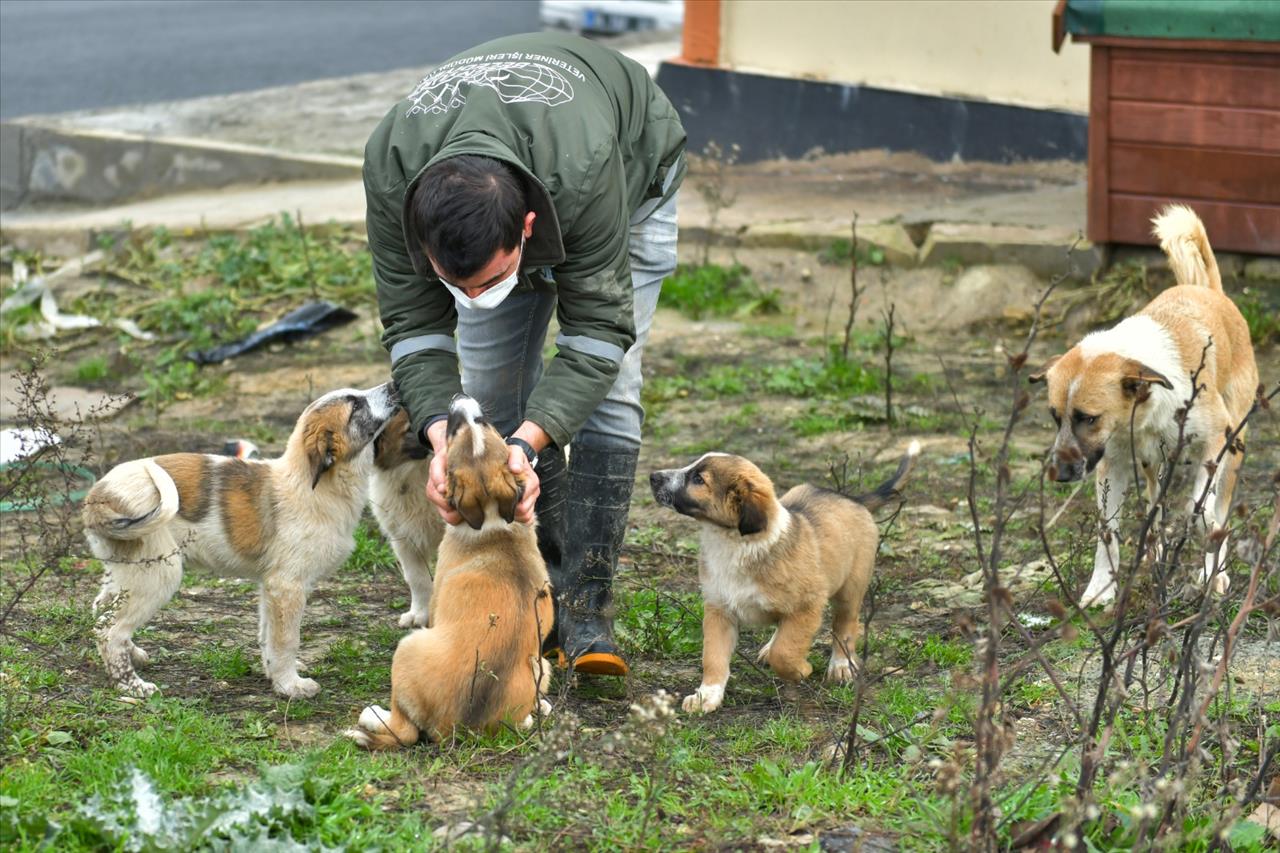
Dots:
{"x": 398, "y": 495}
{"x": 286, "y": 523}
{"x": 1143, "y": 368}
{"x": 766, "y": 561}
{"x": 479, "y": 664}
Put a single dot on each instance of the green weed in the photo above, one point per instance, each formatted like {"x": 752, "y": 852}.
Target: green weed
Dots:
{"x": 223, "y": 663}
{"x": 372, "y": 553}
{"x": 660, "y": 623}
{"x": 710, "y": 290}
{"x": 90, "y": 370}
{"x": 1261, "y": 311}
{"x": 840, "y": 251}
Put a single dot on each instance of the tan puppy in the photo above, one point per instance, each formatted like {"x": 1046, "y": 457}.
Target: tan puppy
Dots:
{"x": 398, "y": 495}
{"x": 286, "y": 523}
{"x": 776, "y": 562}
{"x": 479, "y": 664}
{"x": 1143, "y": 367}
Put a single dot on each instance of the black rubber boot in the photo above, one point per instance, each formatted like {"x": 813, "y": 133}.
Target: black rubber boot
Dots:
{"x": 553, "y": 480}
{"x": 595, "y": 522}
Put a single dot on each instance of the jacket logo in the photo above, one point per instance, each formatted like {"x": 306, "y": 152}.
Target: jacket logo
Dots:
{"x": 514, "y": 82}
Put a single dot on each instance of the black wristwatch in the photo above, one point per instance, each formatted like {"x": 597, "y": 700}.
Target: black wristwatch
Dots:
{"x": 529, "y": 452}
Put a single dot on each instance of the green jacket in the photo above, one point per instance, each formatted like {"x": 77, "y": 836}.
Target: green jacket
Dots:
{"x": 594, "y": 139}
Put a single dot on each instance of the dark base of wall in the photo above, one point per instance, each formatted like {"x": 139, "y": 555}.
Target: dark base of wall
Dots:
{"x": 783, "y": 117}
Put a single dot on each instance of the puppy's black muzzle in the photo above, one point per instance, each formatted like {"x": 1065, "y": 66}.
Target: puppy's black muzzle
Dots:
{"x": 661, "y": 487}
{"x": 1067, "y": 472}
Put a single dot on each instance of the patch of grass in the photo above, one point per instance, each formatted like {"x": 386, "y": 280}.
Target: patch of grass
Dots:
{"x": 770, "y": 331}
{"x": 819, "y": 420}
{"x": 1261, "y": 312}
{"x": 840, "y": 251}
{"x": 372, "y": 553}
{"x": 222, "y": 662}
{"x": 783, "y": 734}
{"x": 92, "y": 369}
{"x": 197, "y": 293}
{"x": 660, "y": 623}
{"x": 711, "y": 290}
{"x": 812, "y": 377}
{"x": 173, "y": 379}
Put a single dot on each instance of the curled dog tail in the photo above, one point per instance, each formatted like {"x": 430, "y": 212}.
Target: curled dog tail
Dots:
{"x": 888, "y": 490}
{"x": 1183, "y": 239}
{"x": 131, "y": 502}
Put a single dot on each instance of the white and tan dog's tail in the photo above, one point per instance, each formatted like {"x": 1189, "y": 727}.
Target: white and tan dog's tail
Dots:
{"x": 1183, "y": 239}
{"x": 131, "y": 502}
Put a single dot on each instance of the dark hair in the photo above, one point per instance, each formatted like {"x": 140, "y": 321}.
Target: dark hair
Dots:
{"x": 464, "y": 209}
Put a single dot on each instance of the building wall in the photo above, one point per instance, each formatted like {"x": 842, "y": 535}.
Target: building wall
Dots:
{"x": 996, "y": 50}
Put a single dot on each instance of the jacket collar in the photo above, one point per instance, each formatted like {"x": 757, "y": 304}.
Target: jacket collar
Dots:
{"x": 544, "y": 248}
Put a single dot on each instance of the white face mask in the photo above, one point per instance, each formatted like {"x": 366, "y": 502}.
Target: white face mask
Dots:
{"x": 493, "y": 295}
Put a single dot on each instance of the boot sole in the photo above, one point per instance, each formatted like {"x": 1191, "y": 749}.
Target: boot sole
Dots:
{"x": 602, "y": 663}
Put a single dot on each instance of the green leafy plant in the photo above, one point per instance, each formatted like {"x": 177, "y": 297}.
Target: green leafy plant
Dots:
{"x": 1262, "y": 315}
{"x": 711, "y": 290}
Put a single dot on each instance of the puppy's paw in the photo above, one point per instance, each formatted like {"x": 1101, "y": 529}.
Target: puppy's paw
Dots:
{"x": 138, "y": 656}
{"x": 361, "y": 737}
{"x": 706, "y": 699}
{"x": 1098, "y": 597}
{"x": 374, "y": 719}
{"x": 841, "y": 669}
{"x": 136, "y": 687}
{"x": 414, "y": 619}
{"x": 763, "y": 655}
{"x": 297, "y": 688}
{"x": 1220, "y": 584}
{"x": 544, "y": 707}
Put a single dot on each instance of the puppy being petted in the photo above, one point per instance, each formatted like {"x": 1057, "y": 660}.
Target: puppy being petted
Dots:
{"x": 770, "y": 561}
{"x": 479, "y": 664}
{"x": 285, "y": 523}
{"x": 1140, "y": 373}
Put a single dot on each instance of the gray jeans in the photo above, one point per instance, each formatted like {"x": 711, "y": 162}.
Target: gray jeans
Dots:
{"x": 500, "y": 351}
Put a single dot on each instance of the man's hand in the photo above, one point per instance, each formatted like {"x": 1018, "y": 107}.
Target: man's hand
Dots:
{"x": 519, "y": 465}
{"x": 437, "y": 482}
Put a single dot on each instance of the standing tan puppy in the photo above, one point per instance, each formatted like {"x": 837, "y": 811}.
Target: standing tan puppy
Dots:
{"x": 285, "y": 523}
{"x": 766, "y": 561}
{"x": 398, "y": 495}
{"x": 479, "y": 664}
{"x": 1143, "y": 368}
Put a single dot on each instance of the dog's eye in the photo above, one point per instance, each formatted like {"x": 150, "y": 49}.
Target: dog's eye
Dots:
{"x": 1083, "y": 419}
{"x": 696, "y": 478}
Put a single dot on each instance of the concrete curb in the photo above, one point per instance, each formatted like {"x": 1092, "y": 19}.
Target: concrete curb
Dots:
{"x": 1042, "y": 250}
{"x": 42, "y": 165}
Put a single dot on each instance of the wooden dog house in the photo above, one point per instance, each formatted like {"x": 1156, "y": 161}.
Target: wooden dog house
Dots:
{"x": 1184, "y": 105}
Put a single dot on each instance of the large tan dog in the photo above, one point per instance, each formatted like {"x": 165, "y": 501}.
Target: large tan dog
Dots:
{"x": 478, "y": 664}
{"x": 1143, "y": 367}
{"x": 398, "y": 495}
{"x": 285, "y": 523}
{"x": 766, "y": 561}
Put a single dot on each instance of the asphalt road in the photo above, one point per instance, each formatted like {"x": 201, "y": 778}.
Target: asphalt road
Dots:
{"x": 61, "y": 55}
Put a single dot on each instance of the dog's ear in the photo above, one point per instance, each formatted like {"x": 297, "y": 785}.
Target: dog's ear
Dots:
{"x": 509, "y": 496}
{"x": 465, "y": 501}
{"x": 1138, "y": 379}
{"x": 752, "y": 517}
{"x": 320, "y": 456}
{"x": 1039, "y": 375}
